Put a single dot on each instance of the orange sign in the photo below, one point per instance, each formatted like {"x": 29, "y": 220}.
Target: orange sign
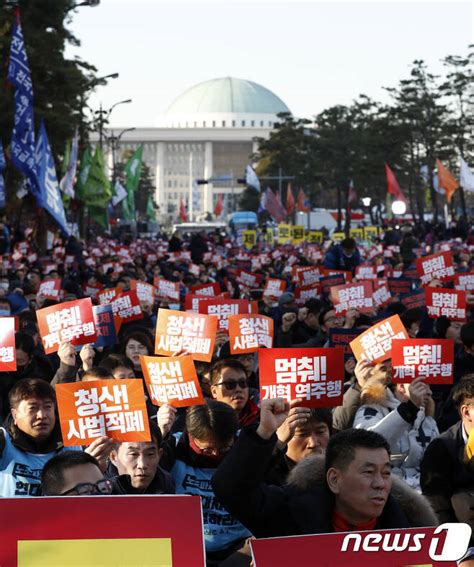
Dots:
{"x": 247, "y": 333}
{"x": 375, "y": 344}
{"x": 71, "y": 322}
{"x": 172, "y": 381}
{"x": 191, "y": 332}
{"x": 112, "y": 408}
{"x": 7, "y": 344}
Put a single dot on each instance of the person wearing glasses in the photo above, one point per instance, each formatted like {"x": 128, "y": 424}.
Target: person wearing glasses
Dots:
{"x": 229, "y": 384}
{"x": 192, "y": 457}
{"x": 74, "y": 473}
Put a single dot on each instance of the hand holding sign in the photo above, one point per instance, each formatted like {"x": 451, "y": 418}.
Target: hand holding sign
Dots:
{"x": 273, "y": 413}
{"x": 419, "y": 392}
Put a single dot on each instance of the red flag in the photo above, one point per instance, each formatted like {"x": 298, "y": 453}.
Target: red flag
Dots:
{"x": 274, "y": 206}
{"x": 303, "y": 204}
{"x": 392, "y": 185}
{"x": 446, "y": 181}
{"x": 351, "y": 193}
{"x": 290, "y": 200}
{"x": 219, "y": 206}
{"x": 183, "y": 215}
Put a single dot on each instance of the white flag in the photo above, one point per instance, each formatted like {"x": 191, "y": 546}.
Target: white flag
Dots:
{"x": 251, "y": 178}
{"x": 120, "y": 193}
{"x": 67, "y": 182}
{"x": 467, "y": 177}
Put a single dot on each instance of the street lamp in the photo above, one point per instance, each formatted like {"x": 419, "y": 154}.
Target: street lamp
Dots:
{"x": 114, "y": 143}
{"x": 399, "y": 207}
{"x": 107, "y": 113}
{"x": 366, "y": 201}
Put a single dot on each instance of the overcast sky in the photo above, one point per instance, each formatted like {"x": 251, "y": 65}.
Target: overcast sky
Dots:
{"x": 311, "y": 54}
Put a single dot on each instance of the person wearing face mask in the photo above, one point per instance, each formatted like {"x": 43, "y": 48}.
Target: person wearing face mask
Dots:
{"x": 192, "y": 458}
{"x": 343, "y": 256}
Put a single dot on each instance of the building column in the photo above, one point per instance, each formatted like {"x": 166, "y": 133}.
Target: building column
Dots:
{"x": 208, "y": 167}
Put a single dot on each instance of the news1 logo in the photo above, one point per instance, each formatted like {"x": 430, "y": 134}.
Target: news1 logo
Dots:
{"x": 449, "y": 542}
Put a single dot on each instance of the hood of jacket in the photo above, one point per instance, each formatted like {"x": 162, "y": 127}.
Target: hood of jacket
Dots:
{"x": 310, "y": 474}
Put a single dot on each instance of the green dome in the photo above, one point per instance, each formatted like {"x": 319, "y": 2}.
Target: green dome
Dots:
{"x": 227, "y": 95}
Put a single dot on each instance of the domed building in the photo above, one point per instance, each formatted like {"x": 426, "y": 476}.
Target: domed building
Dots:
{"x": 206, "y": 134}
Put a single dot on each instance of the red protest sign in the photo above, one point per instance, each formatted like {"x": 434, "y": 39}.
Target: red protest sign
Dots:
{"x": 274, "y": 288}
{"x": 308, "y": 276}
{"x": 145, "y": 291}
{"x": 71, "y": 322}
{"x": 381, "y": 295}
{"x": 174, "y": 537}
{"x": 464, "y": 282}
{"x": 346, "y": 273}
{"x": 177, "y": 331}
{"x": 172, "y": 380}
{"x": 108, "y": 295}
{"x": 248, "y": 279}
{"x": 302, "y": 294}
{"x": 366, "y": 272}
{"x": 315, "y": 375}
{"x": 222, "y": 308}
{"x": 437, "y": 266}
{"x": 7, "y": 344}
{"x": 432, "y": 359}
{"x": 352, "y": 296}
{"x": 327, "y": 282}
{"x": 375, "y": 344}
{"x": 166, "y": 289}
{"x": 209, "y": 289}
{"x": 448, "y": 302}
{"x": 249, "y": 332}
{"x": 50, "y": 289}
{"x": 112, "y": 408}
{"x": 127, "y": 306}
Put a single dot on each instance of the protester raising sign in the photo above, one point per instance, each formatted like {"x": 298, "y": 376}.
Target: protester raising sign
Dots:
{"x": 432, "y": 359}
{"x": 375, "y": 344}
{"x": 112, "y": 408}
{"x": 177, "y": 331}
{"x": 437, "y": 266}
{"x": 71, "y": 322}
{"x": 172, "y": 381}
{"x": 249, "y": 332}
{"x": 448, "y": 302}
{"x": 7, "y": 344}
{"x": 352, "y": 296}
{"x": 314, "y": 375}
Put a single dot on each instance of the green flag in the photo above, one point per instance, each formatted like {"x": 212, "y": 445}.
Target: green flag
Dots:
{"x": 86, "y": 162}
{"x": 99, "y": 215}
{"x": 97, "y": 191}
{"x": 132, "y": 172}
{"x": 150, "y": 209}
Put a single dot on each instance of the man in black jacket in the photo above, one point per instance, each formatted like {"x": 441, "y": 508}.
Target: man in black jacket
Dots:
{"x": 447, "y": 468}
{"x": 355, "y": 493}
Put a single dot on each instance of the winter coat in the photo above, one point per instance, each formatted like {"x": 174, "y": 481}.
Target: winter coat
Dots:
{"x": 406, "y": 428}
{"x": 336, "y": 259}
{"x": 162, "y": 482}
{"x": 305, "y": 505}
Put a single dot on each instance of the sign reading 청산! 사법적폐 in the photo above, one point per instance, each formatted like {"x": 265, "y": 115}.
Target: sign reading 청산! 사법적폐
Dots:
{"x": 375, "y": 344}
{"x": 247, "y": 333}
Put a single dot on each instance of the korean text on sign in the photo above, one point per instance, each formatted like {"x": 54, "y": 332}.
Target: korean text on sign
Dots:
{"x": 448, "y": 302}
{"x": 432, "y": 359}
{"x": 223, "y": 308}
{"x": 71, "y": 322}
{"x": 192, "y": 332}
{"x": 247, "y": 333}
{"x": 438, "y": 266}
{"x": 375, "y": 344}
{"x": 7, "y": 344}
{"x": 352, "y": 296}
{"x": 314, "y": 375}
{"x": 127, "y": 306}
{"x": 172, "y": 381}
{"x": 112, "y": 408}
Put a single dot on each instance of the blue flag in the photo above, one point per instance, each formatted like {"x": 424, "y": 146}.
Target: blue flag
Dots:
{"x": 49, "y": 193}
{"x": 22, "y": 146}
{"x": 3, "y": 165}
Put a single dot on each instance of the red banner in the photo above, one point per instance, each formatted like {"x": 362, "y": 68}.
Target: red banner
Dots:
{"x": 71, "y": 322}
{"x": 222, "y": 308}
{"x": 172, "y": 380}
{"x": 308, "y": 276}
{"x": 432, "y": 359}
{"x": 464, "y": 282}
{"x": 7, "y": 344}
{"x": 191, "y": 302}
{"x": 247, "y": 333}
{"x": 448, "y": 302}
{"x": 112, "y": 408}
{"x": 177, "y": 331}
{"x": 352, "y": 296}
{"x": 94, "y": 531}
{"x": 437, "y": 266}
{"x": 302, "y": 294}
{"x": 209, "y": 289}
{"x": 315, "y": 375}
{"x": 375, "y": 344}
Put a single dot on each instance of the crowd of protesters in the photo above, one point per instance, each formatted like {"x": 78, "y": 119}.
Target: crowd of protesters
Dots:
{"x": 391, "y": 456}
